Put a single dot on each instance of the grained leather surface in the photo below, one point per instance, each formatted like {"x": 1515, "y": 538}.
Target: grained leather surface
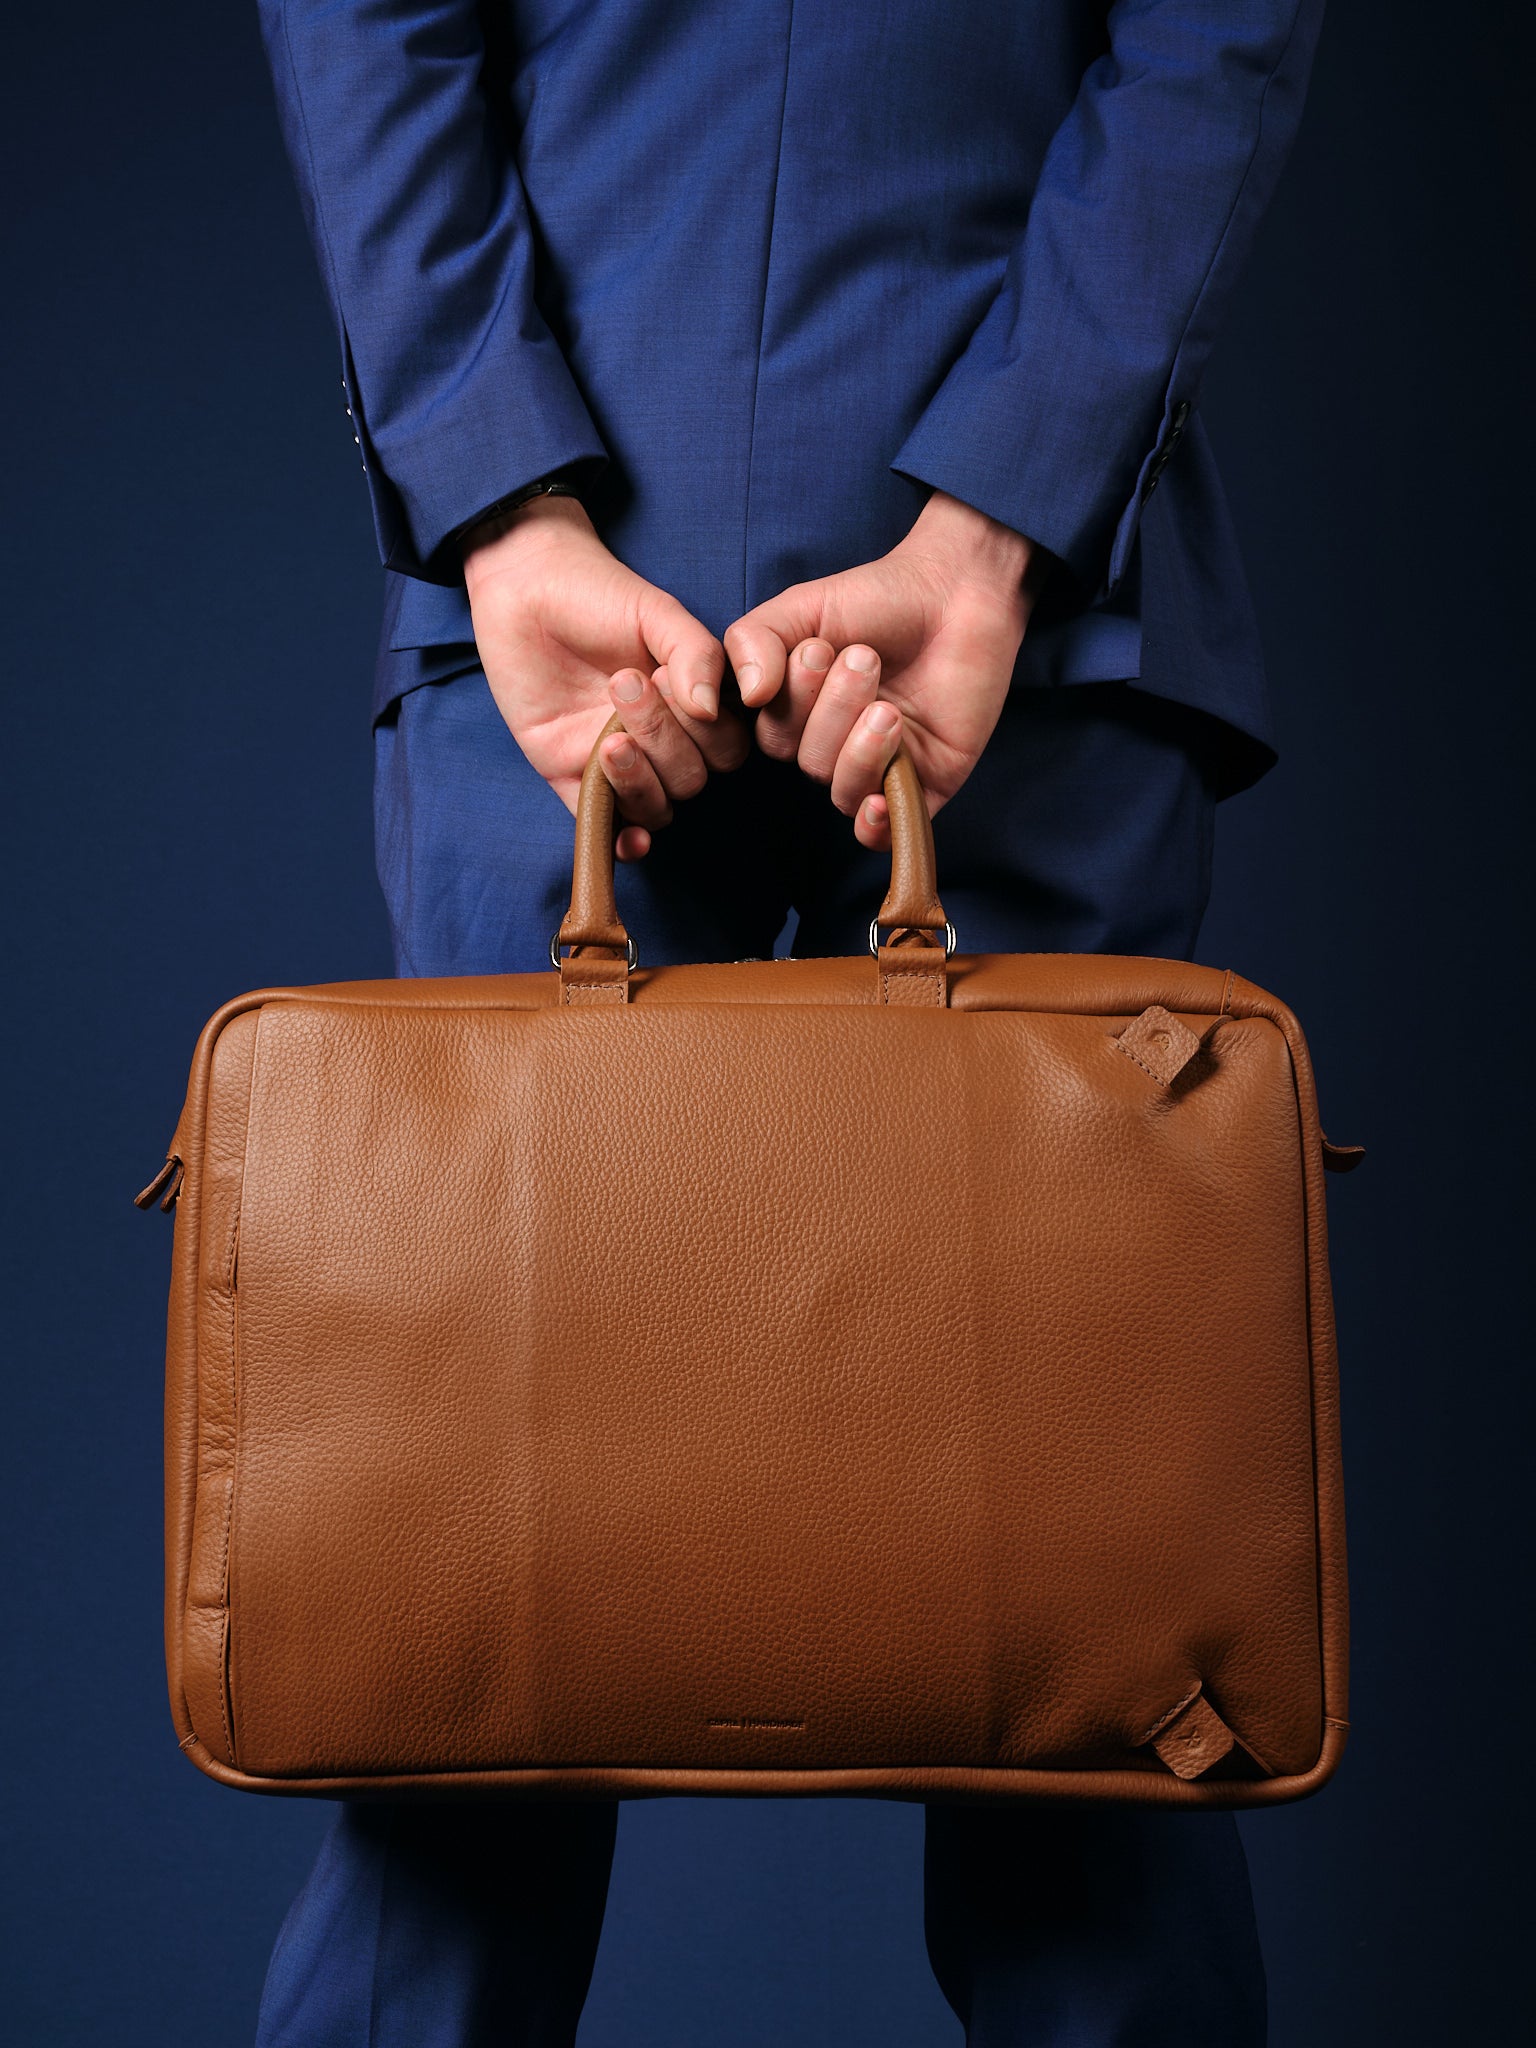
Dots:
{"x": 756, "y": 1386}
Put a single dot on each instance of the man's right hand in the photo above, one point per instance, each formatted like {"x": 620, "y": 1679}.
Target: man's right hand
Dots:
{"x": 567, "y": 636}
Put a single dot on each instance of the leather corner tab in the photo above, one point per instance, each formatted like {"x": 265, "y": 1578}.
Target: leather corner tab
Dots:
{"x": 913, "y": 976}
{"x": 1194, "y": 1740}
{"x": 587, "y": 980}
{"x": 1341, "y": 1158}
{"x": 1159, "y": 1044}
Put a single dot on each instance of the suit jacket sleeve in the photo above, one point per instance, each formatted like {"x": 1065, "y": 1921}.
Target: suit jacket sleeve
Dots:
{"x": 458, "y": 392}
{"x": 1073, "y": 390}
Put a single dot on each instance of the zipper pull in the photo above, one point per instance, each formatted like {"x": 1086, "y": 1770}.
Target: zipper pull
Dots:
{"x": 166, "y": 1184}
{"x": 1341, "y": 1158}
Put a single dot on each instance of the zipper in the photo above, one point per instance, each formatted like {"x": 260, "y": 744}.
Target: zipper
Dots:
{"x": 166, "y": 1185}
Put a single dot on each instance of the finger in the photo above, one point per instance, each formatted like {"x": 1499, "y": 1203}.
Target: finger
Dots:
{"x": 648, "y": 719}
{"x": 781, "y": 722}
{"x": 872, "y": 826}
{"x": 851, "y": 685}
{"x": 793, "y": 615}
{"x": 633, "y": 843}
{"x": 758, "y": 659}
{"x": 637, "y": 791}
{"x": 860, "y": 768}
{"x": 691, "y": 654}
{"x": 722, "y": 742}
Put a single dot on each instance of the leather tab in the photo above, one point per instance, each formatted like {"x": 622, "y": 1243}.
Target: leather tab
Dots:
{"x": 1341, "y": 1158}
{"x": 913, "y": 975}
{"x": 166, "y": 1185}
{"x": 1159, "y": 1044}
{"x": 588, "y": 978}
{"x": 1194, "y": 1739}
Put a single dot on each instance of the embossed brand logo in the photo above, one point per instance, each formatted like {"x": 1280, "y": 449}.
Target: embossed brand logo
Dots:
{"x": 746, "y": 1723}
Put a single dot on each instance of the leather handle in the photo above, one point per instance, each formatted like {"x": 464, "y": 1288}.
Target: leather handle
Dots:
{"x": 592, "y": 923}
{"x": 913, "y": 897}
{"x": 593, "y": 929}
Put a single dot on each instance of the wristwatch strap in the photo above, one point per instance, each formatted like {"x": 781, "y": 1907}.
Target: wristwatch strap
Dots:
{"x": 543, "y": 487}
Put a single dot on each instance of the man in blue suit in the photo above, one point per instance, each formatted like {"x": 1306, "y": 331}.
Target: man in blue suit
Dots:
{"x": 791, "y": 378}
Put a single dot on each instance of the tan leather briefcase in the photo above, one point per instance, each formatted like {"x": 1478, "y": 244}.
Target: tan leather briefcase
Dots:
{"x": 909, "y": 1375}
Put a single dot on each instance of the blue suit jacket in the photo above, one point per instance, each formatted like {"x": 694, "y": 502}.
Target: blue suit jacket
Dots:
{"x": 774, "y": 268}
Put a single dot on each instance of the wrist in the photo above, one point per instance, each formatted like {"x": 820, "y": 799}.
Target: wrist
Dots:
{"x": 509, "y": 535}
{"x": 979, "y": 547}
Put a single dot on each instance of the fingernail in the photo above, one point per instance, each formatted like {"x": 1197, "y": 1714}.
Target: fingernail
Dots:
{"x": 748, "y": 676}
{"x": 703, "y": 695}
{"x": 622, "y": 756}
{"x": 861, "y": 660}
{"x": 871, "y": 814}
{"x": 816, "y": 656}
{"x": 881, "y": 718}
{"x": 629, "y": 688}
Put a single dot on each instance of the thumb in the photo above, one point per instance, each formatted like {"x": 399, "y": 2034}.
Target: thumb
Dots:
{"x": 690, "y": 653}
{"x": 760, "y": 641}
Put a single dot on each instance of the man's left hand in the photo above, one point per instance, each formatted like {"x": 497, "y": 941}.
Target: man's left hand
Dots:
{"x": 920, "y": 643}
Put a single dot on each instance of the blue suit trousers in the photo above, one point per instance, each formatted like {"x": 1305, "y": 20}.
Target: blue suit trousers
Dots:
{"x": 1087, "y": 827}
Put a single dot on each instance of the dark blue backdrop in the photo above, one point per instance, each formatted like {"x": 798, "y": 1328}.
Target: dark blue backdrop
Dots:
{"x": 191, "y": 593}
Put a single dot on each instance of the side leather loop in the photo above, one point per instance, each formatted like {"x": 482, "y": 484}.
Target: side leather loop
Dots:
{"x": 165, "y": 1186}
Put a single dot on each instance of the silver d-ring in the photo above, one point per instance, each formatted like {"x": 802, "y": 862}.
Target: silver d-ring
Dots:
{"x": 631, "y": 952}
{"x": 949, "y": 937}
